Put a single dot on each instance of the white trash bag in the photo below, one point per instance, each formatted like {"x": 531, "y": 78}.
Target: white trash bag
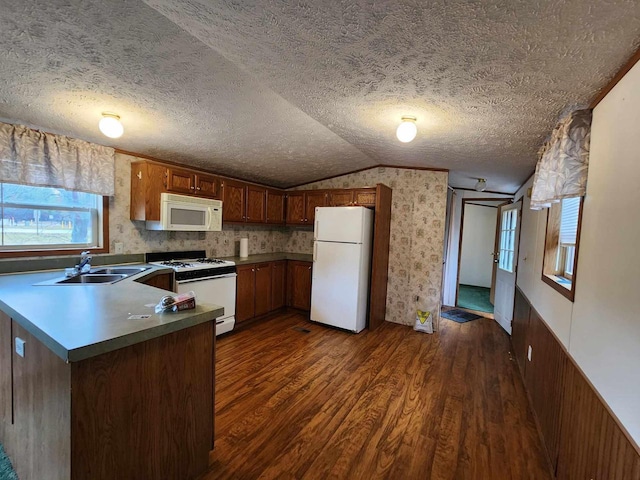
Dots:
{"x": 424, "y": 321}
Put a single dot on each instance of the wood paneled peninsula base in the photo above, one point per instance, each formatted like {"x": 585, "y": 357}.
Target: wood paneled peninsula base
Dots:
{"x": 142, "y": 411}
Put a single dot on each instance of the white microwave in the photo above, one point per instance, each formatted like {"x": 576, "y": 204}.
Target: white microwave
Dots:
{"x": 188, "y": 214}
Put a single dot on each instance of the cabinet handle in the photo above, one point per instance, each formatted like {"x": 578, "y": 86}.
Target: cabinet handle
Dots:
{"x": 253, "y": 269}
{"x": 193, "y": 188}
{"x": 309, "y": 268}
{"x": 198, "y": 188}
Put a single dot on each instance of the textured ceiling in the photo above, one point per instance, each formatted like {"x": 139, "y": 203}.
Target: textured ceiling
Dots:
{"x": 287, "y": 92}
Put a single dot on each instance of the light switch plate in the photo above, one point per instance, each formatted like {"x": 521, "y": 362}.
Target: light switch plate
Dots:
{"x": 20, "y": 343}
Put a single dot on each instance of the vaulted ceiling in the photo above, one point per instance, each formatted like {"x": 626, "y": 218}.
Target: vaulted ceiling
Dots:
{"x": 286, "y": 92}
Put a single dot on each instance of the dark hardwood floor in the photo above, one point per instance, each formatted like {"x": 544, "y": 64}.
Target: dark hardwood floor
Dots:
{"x": 391, "y": 403}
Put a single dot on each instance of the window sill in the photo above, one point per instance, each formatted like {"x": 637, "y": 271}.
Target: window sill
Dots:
{"x": 560, "y": 285}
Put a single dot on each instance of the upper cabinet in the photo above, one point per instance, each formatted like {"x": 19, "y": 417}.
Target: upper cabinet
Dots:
{"x": 256, "y": 204}
{"x": 234, "y": 201}
{"x": 247, "y": 203}
{"x": 190, "y": 182}
{"x": 301, "y": 206}
{"x": 275, "y": 207}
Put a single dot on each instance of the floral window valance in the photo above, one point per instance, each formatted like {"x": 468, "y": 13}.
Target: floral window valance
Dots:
{"x": 562, "y": 169}
{"x": 31, "y": 157}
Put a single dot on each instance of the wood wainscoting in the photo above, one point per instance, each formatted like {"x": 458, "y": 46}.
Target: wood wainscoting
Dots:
{"x": 583, "y": 439}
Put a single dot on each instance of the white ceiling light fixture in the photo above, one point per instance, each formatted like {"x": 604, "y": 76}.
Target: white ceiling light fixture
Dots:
{"x": 110, "y": 125}
{"x": 481, "y": 186}
{"x": 407, "y": 130}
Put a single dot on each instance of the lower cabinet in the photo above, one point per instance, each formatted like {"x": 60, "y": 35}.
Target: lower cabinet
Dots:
{"x": 299, "y": 285}
{"x": 278, "y": 284}
{"x": 264, "y": 287}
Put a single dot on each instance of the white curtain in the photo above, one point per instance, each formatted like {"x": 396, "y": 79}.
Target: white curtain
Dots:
{"x": 31, "y": 157}
{"x": 562, "y": 169}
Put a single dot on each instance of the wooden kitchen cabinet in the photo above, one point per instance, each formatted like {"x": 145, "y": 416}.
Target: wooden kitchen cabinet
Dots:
{"x": 263, "y": 289}
{"x": 65, "y": 420}
{"x": 278, "y": 284}
{"x": 275, "y": 207}
{"x": 295, "y": 208}
{"x": 314, "y": 199}
{"x": 256, "y": 209}
{"x": 299, "y": 284}
{"x": 165, "y": 281}
{"x": 148, "y": 181}
{"x": 301, "y": 206}
{"x": 253, "y": 291}
{"x": 245, "y": 292}
{"x": 234, "y": 201}
{"x": 341, "y": 198}
{"x": 364, "y": 197}
{"x": 190, "y": 182}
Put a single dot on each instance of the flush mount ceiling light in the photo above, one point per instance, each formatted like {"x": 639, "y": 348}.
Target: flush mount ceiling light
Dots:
{"x": 110, "y": 125}
{"x": 481, "y": 185}
{"x": 407, "y": 130}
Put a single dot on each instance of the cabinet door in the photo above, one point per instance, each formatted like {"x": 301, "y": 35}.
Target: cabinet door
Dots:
{"x": 275, "y": 207}
{"x": 208, "y": 186}
{"x": 340, "y": 198}
{"x": 278, "y": 284}
{"x": 234, "y": 201}
{"x": 245, "y": 292}
{"x": 180, "y": 181}
{"x": 300, "y": 285}
{"x": 313, "y": 200}
{"x": 6, "y": 391}
{"x": 256, "y": 204}
{"x": 263, "y": 288}
{"x": 295, "y": 208}
{"x": 365, "y": 197}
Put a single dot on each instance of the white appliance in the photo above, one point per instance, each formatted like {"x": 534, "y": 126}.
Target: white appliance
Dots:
{"x": 212, "y": 280}
{"x": 190, "y": 214}
{"x": 341, "y": 267}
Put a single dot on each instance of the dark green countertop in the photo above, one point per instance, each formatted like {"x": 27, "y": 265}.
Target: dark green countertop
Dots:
{"x": 77, "y": 322}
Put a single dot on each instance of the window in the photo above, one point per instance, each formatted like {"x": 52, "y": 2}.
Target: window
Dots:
{"x": 45, "y": 218}
{"x": 507, "y": 239}
{"x": 561, "y": 245}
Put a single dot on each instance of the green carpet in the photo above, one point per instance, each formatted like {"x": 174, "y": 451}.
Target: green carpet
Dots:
{"x": 6, "y": 471}
{"x": 474, "y": 298}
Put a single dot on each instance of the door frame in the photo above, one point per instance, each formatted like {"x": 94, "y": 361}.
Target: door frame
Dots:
{"x": 503, "y": 200}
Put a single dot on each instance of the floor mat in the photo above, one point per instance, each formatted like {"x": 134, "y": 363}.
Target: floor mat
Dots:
{"x": 6, "y": 471}
{"x": 474, "y": 298}
{"x": 459, "y": 316}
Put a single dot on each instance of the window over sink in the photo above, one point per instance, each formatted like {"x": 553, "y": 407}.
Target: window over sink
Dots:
{"x": 44, "y": 220}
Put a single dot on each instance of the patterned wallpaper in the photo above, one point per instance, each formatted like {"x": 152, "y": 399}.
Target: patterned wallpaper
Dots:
{"x": 137, "y": 239}
{"x": 417, "y": 236}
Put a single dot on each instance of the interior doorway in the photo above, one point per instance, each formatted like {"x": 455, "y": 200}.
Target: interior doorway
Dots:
{"x": 475, "y": 289}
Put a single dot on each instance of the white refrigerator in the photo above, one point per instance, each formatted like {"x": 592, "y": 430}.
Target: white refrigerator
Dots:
{"x": 341, "y": 266}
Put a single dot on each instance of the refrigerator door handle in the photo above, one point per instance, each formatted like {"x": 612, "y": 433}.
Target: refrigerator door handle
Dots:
{"x": 315, "y": 250}
{"x": 315, "y": 230}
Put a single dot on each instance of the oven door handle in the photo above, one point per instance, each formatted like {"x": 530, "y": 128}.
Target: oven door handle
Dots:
{"x": 214, "y": 277}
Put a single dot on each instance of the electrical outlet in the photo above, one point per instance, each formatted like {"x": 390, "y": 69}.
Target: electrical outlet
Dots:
{"x": 20, "y": 346}
{"x": 529, "y": 352}
{"x": 119, "y": 247}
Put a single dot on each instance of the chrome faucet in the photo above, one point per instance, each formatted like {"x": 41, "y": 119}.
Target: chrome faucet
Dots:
{"x": 85, "y": 263}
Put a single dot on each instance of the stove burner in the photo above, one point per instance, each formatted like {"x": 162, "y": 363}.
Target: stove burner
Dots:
{"x": 210, "y": 260}
{"x": 173, "y": 263}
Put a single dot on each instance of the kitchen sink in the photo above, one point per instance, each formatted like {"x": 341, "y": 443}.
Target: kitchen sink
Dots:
{"x": 91, "y": 278}
{"x": 119, "y": 270}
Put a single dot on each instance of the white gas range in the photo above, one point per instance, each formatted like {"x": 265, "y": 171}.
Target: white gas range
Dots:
{"x": 212, "y": 280}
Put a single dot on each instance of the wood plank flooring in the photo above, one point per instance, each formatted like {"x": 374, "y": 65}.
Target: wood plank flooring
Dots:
{"x": 392, "y": 404}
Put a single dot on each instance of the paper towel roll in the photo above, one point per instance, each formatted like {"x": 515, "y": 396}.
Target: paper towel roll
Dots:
{"x": 244, "y": 247}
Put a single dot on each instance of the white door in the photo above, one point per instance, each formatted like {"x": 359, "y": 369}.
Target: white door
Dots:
{"x": 335, "y": 286}
{"x": 509, "y": 238}
{"x": 342, "y": 224}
